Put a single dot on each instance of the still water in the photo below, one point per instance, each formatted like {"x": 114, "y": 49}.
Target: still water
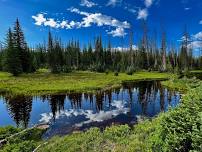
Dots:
{"x": 80, "y": 111}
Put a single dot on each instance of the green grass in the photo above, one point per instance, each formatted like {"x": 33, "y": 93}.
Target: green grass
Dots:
{"x": 182, "y": 85}
{"x": 42, "y": 82}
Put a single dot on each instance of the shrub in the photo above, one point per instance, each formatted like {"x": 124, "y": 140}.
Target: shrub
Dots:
{"x": 66, "y": 69}
{"x": 116, "y": 74}
{"x": 25, "y": 146}
{"x": 99, "y": 68}
{"x": 8, "y": 131}
{"x": 117, "y": 133}
{"x": 107, "y": 72}
{"x": 181, "y": 127}
{"x": 130, "y": 70}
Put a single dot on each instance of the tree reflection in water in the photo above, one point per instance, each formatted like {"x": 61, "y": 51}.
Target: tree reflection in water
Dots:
{"x": 19, "y": 108}
{"x": 144, "y": 93}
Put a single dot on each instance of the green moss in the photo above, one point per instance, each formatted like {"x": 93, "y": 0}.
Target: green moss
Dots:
{"x": 42, "y": 82}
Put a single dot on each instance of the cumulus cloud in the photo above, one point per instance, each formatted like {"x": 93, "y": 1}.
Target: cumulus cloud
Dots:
{"x": 87, "y": 3}
{"x": 39, "y": 19}
{"x": 113, "y": 3}
{"x": 200, "y": 22}
{"x": 102, "y": 20}
{"x": 118, "y": 32}
{"x": 196, "y": 45}
{"x": 142, "y": 14}
{"x": 148, "y": 3}
{"x": 196, "y": 42}
{"x": 134, "y": 47}
{"x": 87, "y": 20}
{"x": 51, "y": 22}
{"x": 198, "y": 36}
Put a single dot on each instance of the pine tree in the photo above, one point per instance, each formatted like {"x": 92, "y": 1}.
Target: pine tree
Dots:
{"x": 21, "y": 46}
{"x": 51, "y": 58}
{"x": 12, "y": 62}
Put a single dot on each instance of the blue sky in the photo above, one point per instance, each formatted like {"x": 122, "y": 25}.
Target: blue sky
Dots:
{"x": 85, "y": 19}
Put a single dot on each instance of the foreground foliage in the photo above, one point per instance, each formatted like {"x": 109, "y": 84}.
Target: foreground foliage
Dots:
{"x": 24, "y": 142}
{"x": 7, "y": 131}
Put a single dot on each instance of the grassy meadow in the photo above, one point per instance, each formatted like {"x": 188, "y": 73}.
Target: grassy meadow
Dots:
{"x": 43, "y": 82}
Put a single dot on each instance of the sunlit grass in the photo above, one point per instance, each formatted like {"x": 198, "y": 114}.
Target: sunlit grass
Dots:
{"x": 43, "y": 82}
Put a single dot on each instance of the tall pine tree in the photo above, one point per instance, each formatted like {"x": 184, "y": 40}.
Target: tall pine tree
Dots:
{"x": 12, "y": 62}
{"x": 21, "y": 47}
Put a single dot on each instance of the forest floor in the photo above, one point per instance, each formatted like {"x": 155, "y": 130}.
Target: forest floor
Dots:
{"x": 43, "y": 82}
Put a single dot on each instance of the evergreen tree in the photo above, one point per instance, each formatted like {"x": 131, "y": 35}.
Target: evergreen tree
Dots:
{"x": 21, "y": 47}
{"x": 12, "y": 62}
{"x": 51, "y": 57}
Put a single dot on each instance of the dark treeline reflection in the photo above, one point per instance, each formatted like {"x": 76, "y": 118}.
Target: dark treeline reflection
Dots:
{"x": 142, "y": 93}
{"x": 19, "y": 108}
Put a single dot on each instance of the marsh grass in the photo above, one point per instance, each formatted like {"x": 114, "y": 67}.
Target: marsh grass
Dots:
{"x": 43, "y": 82}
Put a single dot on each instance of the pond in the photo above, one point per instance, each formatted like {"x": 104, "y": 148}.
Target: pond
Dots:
{"x": 79, "y": 111}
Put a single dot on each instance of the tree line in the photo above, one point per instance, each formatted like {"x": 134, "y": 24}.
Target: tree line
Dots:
{"x": 16, "y": 57}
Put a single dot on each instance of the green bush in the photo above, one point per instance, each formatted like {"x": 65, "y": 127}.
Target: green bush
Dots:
{"x": 116, "y": 74}
{"x": 24, "y": 142}
{"x": 130, "y": 70}
{"x": 117, "y": 133}
{"x": 8, "y": 131}
{"x": 181, "y": 128}
{"x": 107, "y": 72}
{"x": 24, "y": 146}
{"x": 66, "y": 69}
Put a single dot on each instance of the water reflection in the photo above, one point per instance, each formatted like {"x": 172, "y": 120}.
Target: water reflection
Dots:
{"x": 19, "y": 108}
{"x": 68, "y": 112}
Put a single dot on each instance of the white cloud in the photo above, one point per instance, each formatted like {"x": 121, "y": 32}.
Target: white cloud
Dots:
{"x": 114, "y": 2}
{"x": 87, "y": 3}
{"x": 148, "y": 3}
{"x": 200, "y": 22}
{"x": 196, "y": 42}
{"x": 39, "y": 19}
{"x": 102, "y": 20}
{"x": 88, "y": 20}
{"x": 198, "y": 36}
{"x": 187, "y": 8}
{"x": 134, "y": 47}
{"x": 196, "y": 45}
{"x": 118, "y": 32}
{"x": 132, "y": 10}
{"x": 51, "y": 22}
{"x": 142, "y": 14}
